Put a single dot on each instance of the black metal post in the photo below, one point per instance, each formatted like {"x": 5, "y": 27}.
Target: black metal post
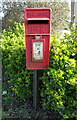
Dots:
{"x": 35, "y": 90}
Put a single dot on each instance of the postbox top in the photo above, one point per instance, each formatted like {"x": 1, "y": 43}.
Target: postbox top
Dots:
{"x": 35, "y": 13}
{"x": 38, "y": 9}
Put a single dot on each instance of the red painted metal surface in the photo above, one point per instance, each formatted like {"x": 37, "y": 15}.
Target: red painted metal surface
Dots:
{"x": 37, "y": 37}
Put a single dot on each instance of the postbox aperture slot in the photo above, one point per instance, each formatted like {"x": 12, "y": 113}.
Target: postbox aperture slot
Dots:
{"x": 38, "y": 21}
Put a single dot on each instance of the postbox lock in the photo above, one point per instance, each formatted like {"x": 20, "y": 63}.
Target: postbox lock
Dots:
{"x": 37, "y": 37}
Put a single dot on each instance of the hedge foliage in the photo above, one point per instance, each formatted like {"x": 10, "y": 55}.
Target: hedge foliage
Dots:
{"x": 13, "y": 50}
{"x": 58, "y": 82}
{"x": 60, "y": 79}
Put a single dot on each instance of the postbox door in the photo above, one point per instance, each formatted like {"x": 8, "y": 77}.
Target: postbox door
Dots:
{"x": 38, "y": 50}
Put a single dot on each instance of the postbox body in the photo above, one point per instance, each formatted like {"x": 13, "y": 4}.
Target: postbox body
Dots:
{"x": 37, "y": 38}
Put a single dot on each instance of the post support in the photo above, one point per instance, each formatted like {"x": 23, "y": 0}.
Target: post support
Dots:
{"x": 35, "y": 90}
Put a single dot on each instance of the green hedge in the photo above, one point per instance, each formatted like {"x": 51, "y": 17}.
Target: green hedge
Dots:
{"x": 58, "y": 82}
{"x": 14, "y": 62}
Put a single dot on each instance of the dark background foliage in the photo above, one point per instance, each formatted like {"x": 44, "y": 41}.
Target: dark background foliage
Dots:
{"x": 15, "y": 12}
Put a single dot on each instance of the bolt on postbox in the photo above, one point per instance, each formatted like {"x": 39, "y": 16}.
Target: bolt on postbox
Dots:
{"x": 37, "y": 37}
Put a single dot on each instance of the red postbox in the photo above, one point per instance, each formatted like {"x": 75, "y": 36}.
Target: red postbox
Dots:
{"x": 37, "y": 30}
